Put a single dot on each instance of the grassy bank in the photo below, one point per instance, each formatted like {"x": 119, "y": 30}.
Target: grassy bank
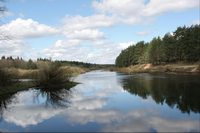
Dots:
{"x": 55, "y": 77}
{"x": 171, "y": 68}
{"x": 33, "y": 74}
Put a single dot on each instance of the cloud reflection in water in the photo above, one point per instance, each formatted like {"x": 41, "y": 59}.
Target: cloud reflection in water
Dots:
{"x": 86, "y": 108}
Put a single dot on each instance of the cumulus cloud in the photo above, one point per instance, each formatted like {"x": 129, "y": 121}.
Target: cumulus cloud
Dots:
{"x": 25, "y": 29}
{"x": 86, "y": 34}
{"x": 138, "y": 12}
{"x": 74, "y": 49}
{"x": 124, "y": 8}
{"x": 126, "y": 45}
{"x": 139, "y": 8}
{"x": 80, "y": 30}
{"x": 67, "y": 43}
{"x": 157, "y": 7}
{"x": 64, "y": 50}
{"x": 95, "y": 21}
{"x": 14, "y": 47}
{"x": 143, "y": 33}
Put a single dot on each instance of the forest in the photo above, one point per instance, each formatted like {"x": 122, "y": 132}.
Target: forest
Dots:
{"x": 181, "y": 45}
{"x": 10, "y": 62}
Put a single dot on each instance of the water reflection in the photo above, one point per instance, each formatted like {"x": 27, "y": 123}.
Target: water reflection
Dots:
{"x": 99, "y": 104}
{"x": 23, "y": 108}
{"x": 56, "y": 97}
{"x": 7, "y": 94}
{"x": 5, "y": 101}
{"x": 177, "y": 91}
{"x": 139, "y": 120}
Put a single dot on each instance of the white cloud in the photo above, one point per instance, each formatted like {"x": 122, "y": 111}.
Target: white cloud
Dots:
{"x": 14, "y": 47}
{"x": 125, "y": 45}
{"x": 86, "y": 34}
{"x": 21, "y": 15}
{"x": 157, "y": 7}
{"x": 63, "y": 50}
{"x": 137, "y": 12}
{"x": 142, "y": 33}
{"x": 73, "y": 49}
{"x": 138, "y": 8}
{"x": 124, "y": 8}
{"x": 95, "y": 21}
{"x": 25, "y": 29}
{"x": 102, "y": 44}
{"x": 98, "y": 43}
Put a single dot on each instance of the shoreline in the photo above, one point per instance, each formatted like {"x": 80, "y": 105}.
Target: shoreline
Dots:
{"x": 170, "y": 68}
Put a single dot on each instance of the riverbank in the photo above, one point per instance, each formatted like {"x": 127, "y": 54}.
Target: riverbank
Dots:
{"x": 170, "y": 68}
{"x": 33, "y": 73}
{"x": 60, "y": 79}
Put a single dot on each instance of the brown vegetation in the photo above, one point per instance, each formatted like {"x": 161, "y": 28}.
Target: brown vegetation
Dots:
{"x": 172, "y": 68}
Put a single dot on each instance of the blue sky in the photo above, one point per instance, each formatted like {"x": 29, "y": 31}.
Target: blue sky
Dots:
{"x": 92, "y": 31}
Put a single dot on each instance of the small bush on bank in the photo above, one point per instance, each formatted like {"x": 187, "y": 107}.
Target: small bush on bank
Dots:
{"x": 4, "y": 77}
{"x": 54, "y": 74}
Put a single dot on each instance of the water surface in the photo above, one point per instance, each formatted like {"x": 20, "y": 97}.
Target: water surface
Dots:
{"x": 108, "y": 102}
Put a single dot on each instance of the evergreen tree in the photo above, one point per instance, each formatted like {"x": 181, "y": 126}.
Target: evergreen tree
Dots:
{"x": 139, "y": 48}
{"x": 168, "y": 48}
{"x": 31, "y": 65}
{"x": 3, "y": 57}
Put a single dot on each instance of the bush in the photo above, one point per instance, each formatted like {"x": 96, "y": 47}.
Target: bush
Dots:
{"x": 4, "y": 77}
{"x": 53, "y": 74}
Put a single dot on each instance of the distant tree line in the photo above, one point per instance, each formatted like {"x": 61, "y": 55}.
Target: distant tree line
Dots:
{"x": 183, "y": 45}
{"x": 10, "y": 62}
{"x": 85, "y": 64}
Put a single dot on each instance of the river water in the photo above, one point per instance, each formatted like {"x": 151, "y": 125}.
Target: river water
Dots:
{"x": 108, "y": 102}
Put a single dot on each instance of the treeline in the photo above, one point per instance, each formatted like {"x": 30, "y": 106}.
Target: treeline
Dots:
{"x": 10, "y": 62}
{"x": 183, "y": 45}
{"x": 85, "y": 64}
{"x": 172, "y": 91}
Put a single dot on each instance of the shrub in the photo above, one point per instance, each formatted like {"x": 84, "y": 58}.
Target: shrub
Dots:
{"x": 53, "y": 74}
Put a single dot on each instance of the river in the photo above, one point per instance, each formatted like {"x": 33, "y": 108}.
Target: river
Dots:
{"x": 108, "y": 102}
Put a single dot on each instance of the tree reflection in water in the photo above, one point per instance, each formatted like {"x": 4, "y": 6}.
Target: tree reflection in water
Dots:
{"x": 182, "y": 92}
{"x": 55, "y": 97}
{"x": 5, "y": 101}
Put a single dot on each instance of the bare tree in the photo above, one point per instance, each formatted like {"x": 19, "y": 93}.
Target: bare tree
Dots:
{"x": 3, "y": 8}
{"x": 3, "y": 35}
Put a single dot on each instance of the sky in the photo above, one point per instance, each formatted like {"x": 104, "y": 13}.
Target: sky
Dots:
{"x": 93, "y": 31}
